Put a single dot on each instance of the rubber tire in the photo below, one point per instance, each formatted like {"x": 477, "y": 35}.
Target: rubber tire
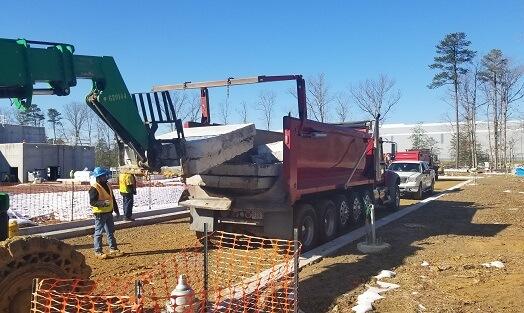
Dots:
{"x": 342, "y": 205}
{"x": 357, "y": 214}
{"x": 419, "y": 194}
{"x": 367, "y": 197}
{"x": 306, "y": 214}
{"x": 25, "y": 258}
{"x": 329, "y": 220}
{"x": 395, "y": 205}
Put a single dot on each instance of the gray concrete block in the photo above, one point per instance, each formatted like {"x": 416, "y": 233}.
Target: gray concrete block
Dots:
{"x": 232, "y": 182}
{"x": 209, "y": 146}
{"x": 246, "y": 169}
{"x": 270, "y": 153}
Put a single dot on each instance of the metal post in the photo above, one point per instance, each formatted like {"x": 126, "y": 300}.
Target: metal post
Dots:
{"x": 72, "y": 200}
{"x": 149, "y": 190}
{"x": 206, "y": 266}
{"x": 295, "y": 269}
{"x": 372, "y": 213}
{"x": 138, "y": 290}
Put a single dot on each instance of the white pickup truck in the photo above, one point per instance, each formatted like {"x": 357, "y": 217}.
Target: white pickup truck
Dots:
{"x": 416, "y": 177}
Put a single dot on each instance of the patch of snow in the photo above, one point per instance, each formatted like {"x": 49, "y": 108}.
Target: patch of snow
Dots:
{"x": 421, "y": 307}
{"x": 496, "y": 264}
{"x": 388, "y": 286}
{"x": 507, "y": 191}
{"x": 385, "y": 274}
{"x": 521, "y": 192}
{"x": 363, "y": 307}
{"x": 424, "y": 263}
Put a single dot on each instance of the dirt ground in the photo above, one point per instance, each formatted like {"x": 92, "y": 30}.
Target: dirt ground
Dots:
{"x": 321, "y": 286}
{"x": 455, "y": 235}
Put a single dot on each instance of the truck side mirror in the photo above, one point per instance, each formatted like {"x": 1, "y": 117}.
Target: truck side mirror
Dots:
{"x": 393, "y": 149}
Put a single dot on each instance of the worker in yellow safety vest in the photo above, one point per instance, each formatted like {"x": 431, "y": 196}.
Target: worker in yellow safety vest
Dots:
{"x": 103, "y": 204}
{"x": 127, "y": 188}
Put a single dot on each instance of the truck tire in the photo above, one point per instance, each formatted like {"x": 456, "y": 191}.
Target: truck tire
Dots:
{"x": 329, "y": 220}
{"x": 25, "y": 258}
{"x": 307, "y": 224}
{"x": 367, "y": 198}
{"x": 356, "y": 208}
{"x": 394, "y": 204}
{"x": 420, "y": 193}
{"x": 342, "y": 205}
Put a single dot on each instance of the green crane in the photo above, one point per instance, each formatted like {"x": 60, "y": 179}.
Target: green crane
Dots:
{"x": 55, "y": 64}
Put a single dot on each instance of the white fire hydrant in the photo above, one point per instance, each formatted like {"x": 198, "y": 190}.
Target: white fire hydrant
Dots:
{"x": 182, "y": 297}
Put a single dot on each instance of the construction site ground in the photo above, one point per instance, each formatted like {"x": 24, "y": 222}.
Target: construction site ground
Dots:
{"x": 454, "y": 234}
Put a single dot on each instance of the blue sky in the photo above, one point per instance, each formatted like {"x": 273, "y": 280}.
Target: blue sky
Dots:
{"x": 159, "y": 42}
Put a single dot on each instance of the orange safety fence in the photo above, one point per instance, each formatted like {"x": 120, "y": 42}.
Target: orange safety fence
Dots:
{"x": 243, "y": 274}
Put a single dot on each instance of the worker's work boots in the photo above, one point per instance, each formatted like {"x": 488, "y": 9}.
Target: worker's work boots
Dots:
{"x": 115, "y": 253}
{"x": 100, "y": 255}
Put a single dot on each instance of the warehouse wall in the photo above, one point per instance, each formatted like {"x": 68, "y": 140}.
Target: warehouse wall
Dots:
{"x": 18, "y": 133}
{"x": 30, "y": 156}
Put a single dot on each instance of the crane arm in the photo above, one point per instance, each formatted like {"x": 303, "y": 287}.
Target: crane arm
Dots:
{"x": 55, "y": 64}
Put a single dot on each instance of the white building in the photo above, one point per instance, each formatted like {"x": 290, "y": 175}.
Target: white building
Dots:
{"x": 442, "y": 133}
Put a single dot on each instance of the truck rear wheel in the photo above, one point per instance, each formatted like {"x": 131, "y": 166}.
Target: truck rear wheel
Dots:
{"x": 329, "y": 221}
{"x": 394, "y": 203}
{"x": 306, "y": 222}
{"x": 356, "y": 208}
{"x": 343, "y": 207}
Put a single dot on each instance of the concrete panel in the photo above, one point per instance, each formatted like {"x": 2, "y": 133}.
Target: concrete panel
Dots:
{"x": 20, "y": 133}
{"x": 209, "y": 146}
{"x": 247, "y": 169}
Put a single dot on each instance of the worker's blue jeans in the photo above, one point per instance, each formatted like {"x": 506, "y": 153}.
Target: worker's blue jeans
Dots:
{"x": 104, "y": 222}
{"x": 128, "y": 204}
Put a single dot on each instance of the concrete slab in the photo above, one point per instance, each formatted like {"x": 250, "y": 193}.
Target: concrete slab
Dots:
{"x": 270, "y": 153}
{"x": 232, "y": 182}
{"x": 246, "y": 169}
{"x": 209, "y": 146}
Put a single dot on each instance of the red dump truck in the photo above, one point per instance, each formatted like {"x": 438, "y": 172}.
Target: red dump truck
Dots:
{"x": 317, "y": 177}
{"x": 420, "y": 155}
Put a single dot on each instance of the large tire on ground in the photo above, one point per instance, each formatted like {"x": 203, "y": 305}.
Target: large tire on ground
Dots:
{"x": 24, "y": 258}
{"x": 395, "y": 203}
{"x": 342, "y": 206}
{"x": 356, "y": 208}
{"x": 420, "y": 193}
{"x": 306, "y": 222}
{"x": 329, "y": 220}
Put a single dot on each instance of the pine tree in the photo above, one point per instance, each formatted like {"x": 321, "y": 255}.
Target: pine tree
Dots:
{"x": 452, "y": 55}
{"x": 54, "y": 118}
{"x": 31, "y": 116}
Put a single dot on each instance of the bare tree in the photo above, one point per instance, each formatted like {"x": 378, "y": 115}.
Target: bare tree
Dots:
{"x": 342, "y": 108}
{"x": 319, "y": 97}
{"x": 90, "y": 125}
{"x": 224, "y": 111}
{"x": 243, "y": 111}
{"x": 194, "y": 107}
{"x": 75, "y": 113}
{"x": 266, "y": 103}
{"x": 376, "y": 97}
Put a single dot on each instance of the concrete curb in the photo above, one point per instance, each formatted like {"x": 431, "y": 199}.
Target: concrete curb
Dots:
{"x": 88, "y": 229}
{"x": 81, "y": 223}
{"x": 317, "y": 254}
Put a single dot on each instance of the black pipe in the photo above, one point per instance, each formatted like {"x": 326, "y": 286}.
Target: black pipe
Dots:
{"x": 4, "y": 218}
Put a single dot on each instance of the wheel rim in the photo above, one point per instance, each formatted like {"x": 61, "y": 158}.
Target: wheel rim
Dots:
{"x": 329, "y": 223}
{"x": 344, "y": 213}
{"x": 357, "y": 210}
{"x": 367, "y": 199}
{"x": 308, "y": 230}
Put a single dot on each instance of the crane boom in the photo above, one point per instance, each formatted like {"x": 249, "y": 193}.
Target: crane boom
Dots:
{"x": 55, "y": 64}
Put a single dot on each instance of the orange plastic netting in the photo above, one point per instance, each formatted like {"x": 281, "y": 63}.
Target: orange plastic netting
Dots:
{"x": 244, "y": 274}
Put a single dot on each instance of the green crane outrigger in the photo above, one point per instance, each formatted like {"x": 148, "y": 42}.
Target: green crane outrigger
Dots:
{"x": 57, "y": 67}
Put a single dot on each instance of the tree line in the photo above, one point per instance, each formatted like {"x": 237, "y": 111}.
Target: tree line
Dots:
{"x": 490, "y": 84}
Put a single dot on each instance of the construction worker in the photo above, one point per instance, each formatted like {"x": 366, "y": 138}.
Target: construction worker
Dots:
{"x": 127, "y": 187}
{"x": 103, "y": 204}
